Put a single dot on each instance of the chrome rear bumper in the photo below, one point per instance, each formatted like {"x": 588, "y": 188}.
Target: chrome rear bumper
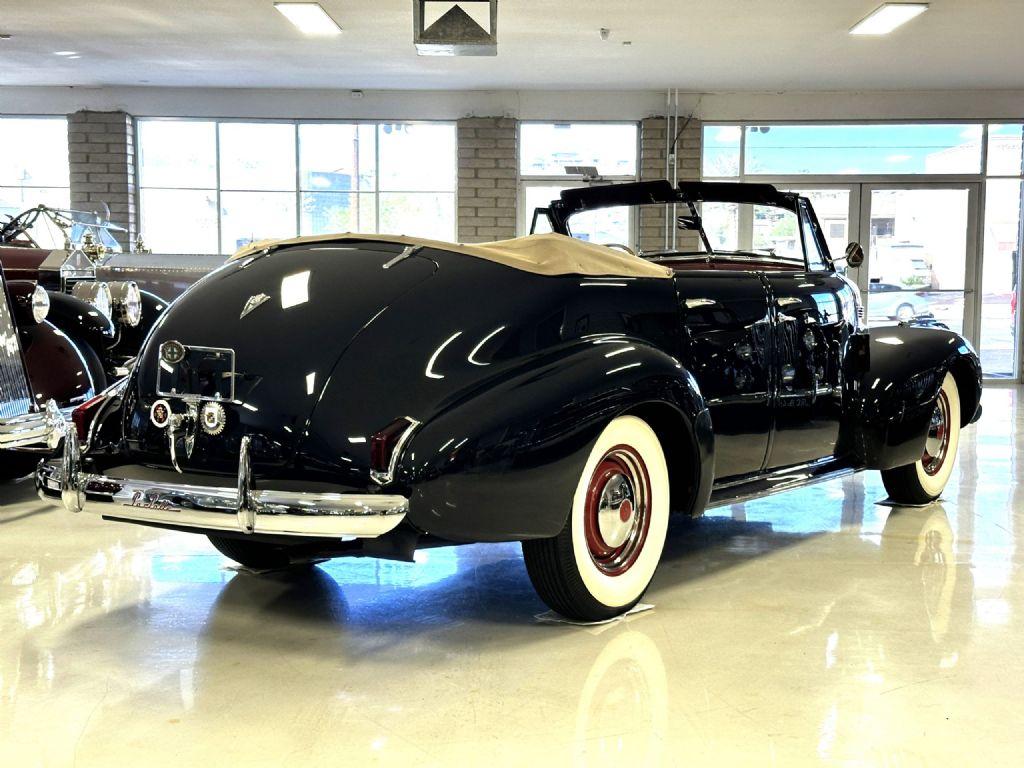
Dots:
{"x": 241, "y": 509}
{"x": 40, "y": 428}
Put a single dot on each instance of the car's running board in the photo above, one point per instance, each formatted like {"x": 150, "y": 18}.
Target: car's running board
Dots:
{"x": 777, "y": 480}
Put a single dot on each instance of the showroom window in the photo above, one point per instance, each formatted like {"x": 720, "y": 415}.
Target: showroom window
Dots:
{"x": 1001, "y": 254}
{"x": 937, "y": 207}
{"x": 550, "y": 155}
{"x": 841, "y": 150}
{"x": 37, "y": 172}
{"x": 214, "y": 186}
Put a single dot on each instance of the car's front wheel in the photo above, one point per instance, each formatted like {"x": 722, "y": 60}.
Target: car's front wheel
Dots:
{"x": 924, "y": 480}
{"x": 603, "y": 560}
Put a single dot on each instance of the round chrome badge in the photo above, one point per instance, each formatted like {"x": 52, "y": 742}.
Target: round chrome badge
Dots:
{"x": 172, "y": 352}
{"x": 214, "y": 418}
{"x": 160, "y": 413}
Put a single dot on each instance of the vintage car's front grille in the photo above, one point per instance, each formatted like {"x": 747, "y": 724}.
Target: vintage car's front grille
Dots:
{"x": 15, "y": 397}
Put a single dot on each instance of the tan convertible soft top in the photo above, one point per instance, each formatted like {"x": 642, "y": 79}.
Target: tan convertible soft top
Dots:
{"x": 548, "y": 254}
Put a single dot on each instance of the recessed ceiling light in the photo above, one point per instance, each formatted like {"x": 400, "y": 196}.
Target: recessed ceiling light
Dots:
{"x": 887, "y": 17}
{"x": 310, "y": 18}
{"x": 65, "y": 53}
{"x": 5, "y": 36}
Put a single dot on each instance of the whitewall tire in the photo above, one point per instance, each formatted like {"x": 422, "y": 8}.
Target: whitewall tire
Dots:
{"x": 603, "y": 560}
{"x": 924, "y": 480}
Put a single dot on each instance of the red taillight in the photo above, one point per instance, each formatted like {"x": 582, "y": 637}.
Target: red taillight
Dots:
{"x": 82, "y": 417}
{"x": 384, "y": 447}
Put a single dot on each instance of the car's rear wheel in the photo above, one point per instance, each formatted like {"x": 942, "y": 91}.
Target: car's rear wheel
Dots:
{"x": 603, "y": 560}
{"x": 924, "y": 480}
{"x": 258, "y": 555}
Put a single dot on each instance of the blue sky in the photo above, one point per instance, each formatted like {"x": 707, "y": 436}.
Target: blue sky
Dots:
{"x": 851, "y": 149}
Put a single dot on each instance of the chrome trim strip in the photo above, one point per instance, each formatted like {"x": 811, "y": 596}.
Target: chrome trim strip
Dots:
{"x": 383, "y": 478}
{"x": 38, "y": 428}
{"x": 242, "y": 509}
{"x": 409, "y": 250}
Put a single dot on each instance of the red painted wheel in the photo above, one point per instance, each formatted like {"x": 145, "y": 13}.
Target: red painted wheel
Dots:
{"x": 603, "y": 560}
{"x": 617, "y": 513}
{"x": 936, "y": 447}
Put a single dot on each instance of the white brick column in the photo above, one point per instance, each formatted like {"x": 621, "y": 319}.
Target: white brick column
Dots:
{"x": 101, "y": 153}
{"x": 487, "y": 179}
{"x": 652, "y": 166}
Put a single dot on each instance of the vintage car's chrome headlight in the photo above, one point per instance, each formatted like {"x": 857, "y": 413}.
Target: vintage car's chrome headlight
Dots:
{"x": 96, "y": 295}
{"x": 40, "y": 304}
{"x": 127, "y": 301}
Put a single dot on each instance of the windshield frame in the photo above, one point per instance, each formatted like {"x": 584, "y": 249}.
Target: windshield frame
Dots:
{"x": 689, "y": 194}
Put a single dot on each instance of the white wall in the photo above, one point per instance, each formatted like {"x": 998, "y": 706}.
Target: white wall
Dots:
{"x": 425, "y": 105}
{"x": 525, "y": 105}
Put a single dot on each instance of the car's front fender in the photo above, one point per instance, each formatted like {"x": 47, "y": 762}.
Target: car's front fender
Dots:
{"x": 893, "y": 375}
{"x": 503, "y": 462}
{"x": 130, "y": 339}
{"x": 55, "y": 366}
{"x": 81, "y": 321}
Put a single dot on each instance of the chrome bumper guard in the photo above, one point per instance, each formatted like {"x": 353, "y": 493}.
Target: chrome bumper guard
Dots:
{"x": 241, "y": 509}
{"x": 40, "y": 428}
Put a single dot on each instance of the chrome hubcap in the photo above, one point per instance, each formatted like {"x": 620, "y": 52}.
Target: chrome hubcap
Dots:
{"x": 616, "y": 513}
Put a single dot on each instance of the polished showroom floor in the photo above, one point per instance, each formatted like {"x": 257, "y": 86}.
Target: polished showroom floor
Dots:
{"x": 818, "y": 626}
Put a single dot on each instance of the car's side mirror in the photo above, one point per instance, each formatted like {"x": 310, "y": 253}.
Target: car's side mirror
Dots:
{"x": 854, "y": 255}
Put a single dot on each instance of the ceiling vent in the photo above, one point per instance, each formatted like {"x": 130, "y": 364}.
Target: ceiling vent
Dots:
{"x": 455, "y": 33}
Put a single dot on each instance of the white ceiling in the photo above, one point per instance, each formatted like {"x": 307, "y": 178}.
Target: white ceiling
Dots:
{"x": 706, "y": 45}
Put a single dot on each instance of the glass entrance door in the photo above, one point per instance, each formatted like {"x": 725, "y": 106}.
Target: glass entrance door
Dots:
{"x": 921, "y": 243}
{"x": 837, "y": 207}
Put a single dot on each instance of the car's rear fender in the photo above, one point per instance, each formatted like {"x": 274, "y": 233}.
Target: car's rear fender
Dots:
{"x": 892, "y": 379}
{"x": 504, "y": 463}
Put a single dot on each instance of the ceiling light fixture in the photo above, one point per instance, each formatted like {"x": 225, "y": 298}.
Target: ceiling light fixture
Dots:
{"x": 456, "y": 32}
{"x": 65, "y": 53}
{"x": 310, "y": 19}
{"x": 887, "y": 17}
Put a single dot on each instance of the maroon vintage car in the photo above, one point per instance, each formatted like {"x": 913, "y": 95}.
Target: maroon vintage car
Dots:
{"x": 64, "y": 334}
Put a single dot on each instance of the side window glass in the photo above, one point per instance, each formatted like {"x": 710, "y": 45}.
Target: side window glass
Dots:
{"x": 815, "y": 259}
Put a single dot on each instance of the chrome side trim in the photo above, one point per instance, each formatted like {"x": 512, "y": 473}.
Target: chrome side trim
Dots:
{"x": 218, "y": 508}
{"x": 38, "y": 428}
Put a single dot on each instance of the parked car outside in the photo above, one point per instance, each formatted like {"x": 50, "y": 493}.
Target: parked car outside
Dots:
{"x": 888, "y": 302}
{"x": 371, "y": 395}
{"x": 904, "y": 264}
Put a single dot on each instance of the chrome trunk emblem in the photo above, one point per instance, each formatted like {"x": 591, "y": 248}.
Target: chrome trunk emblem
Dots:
{"x": 252, "y": 303}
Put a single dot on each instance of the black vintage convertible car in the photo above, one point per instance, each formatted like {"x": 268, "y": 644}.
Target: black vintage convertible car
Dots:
{"x": 371, "y": 395}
